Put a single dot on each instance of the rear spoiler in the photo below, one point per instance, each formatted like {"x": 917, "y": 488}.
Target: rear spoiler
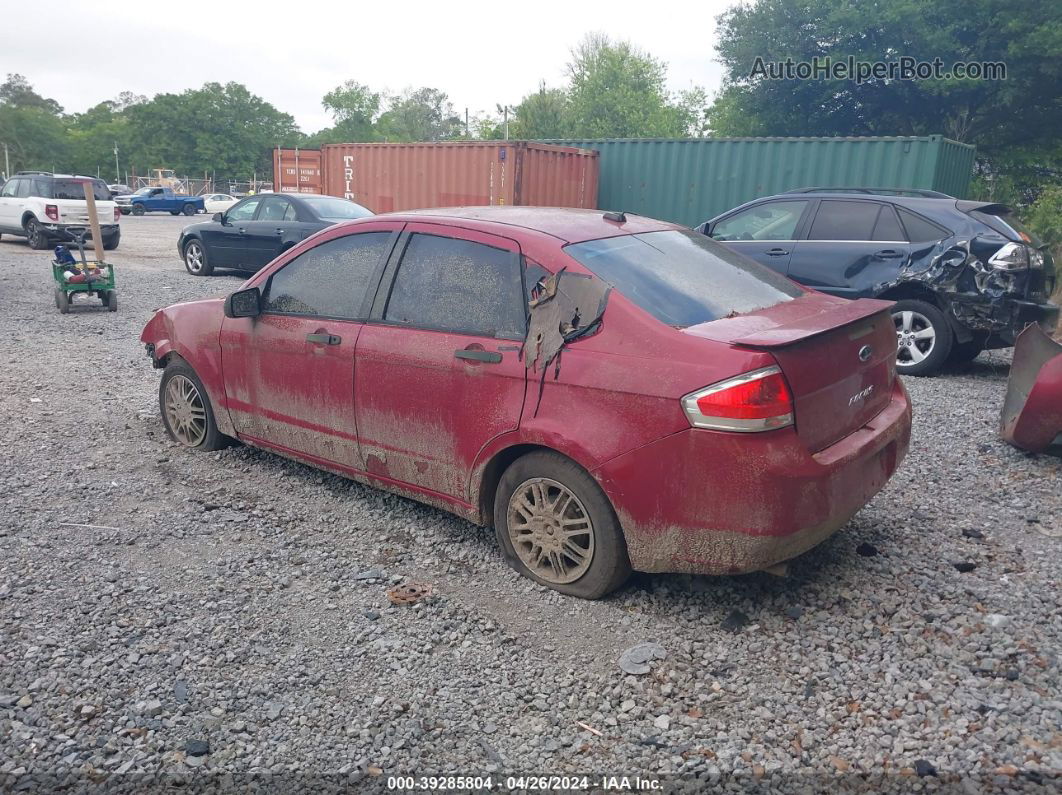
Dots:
{"x": 790, "y": 323}
{"x": 991, "y": 208}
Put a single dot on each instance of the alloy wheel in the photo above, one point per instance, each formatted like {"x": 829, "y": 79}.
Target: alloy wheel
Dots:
{"x": 915, "y": 337}
{"x": 193, "y": 257}
{"x": 550, "y": 530}
{"x": 185, "y": 411}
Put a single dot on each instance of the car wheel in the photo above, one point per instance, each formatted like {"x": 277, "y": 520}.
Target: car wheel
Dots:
{"x": 138, "y": 209}
{"x": 186, "y": 410}
{"x": 188, "y": 209}
{"x": 35, "y": 235}
{"x": 111, "y": 243}
{"x": 556, "y": 526}
{"x": 62, "y": 301}
{"x": 175, "y": 212}
{"x": 110, "y": 300}
{"x": 923, "y": 337}
{"x": 195, "y": 259}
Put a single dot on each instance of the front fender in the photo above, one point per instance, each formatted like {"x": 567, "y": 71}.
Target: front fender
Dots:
{"x": 192, "y": 331}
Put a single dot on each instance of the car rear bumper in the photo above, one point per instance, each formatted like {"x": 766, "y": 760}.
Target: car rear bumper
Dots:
{"x": 712, "y": 502}
{"x": 1004, "y": 318}
{"x": 69, "y": 232}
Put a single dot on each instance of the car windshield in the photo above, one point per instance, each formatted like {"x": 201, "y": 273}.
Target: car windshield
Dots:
{"x": 73, "y": 189}
{"x": 683, "y": 278}
{"x": 334, "y": 209}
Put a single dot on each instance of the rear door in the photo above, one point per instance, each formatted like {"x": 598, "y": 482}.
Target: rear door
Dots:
{"x": 226, "y": 241}
{"x": 438, "y": 371}
{"x": 851, "y": 246}
{"x": 766, "y": 232}
{"x": 289, "y": 373}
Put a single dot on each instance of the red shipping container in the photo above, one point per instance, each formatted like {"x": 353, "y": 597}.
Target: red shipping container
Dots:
{"x": 392, "y": 177}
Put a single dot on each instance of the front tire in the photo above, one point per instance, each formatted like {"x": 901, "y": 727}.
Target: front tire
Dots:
{"x": 187, "y": 413}
{"x": 196, "y": 261}
{"x": 138, "y": 209}
{"x": 555, "y": 526}
{"x": 35, "y": 235}
{"x": 188, "y": 209}
{"x": 923, "y": 337}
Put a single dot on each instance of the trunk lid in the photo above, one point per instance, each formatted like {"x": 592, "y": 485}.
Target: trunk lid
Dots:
{"x": 838, "y": 356}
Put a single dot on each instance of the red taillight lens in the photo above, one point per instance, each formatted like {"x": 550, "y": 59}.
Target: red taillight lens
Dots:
{"x": 117, "y": 214}
{"x": 755, "y": 401}
{"x": 51, "y": 211}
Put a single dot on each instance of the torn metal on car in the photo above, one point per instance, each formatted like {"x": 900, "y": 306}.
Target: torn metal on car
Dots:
{"x": 1032, "y": 410}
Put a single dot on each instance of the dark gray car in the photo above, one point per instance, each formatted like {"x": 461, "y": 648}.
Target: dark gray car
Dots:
{"x": 255, "y": 230}
{"x": 965, "y": 275}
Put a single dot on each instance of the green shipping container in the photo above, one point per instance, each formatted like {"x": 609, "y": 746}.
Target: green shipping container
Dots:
{"x": 691, "y": 180}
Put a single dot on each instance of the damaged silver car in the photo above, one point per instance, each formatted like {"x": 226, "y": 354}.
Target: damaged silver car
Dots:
{"x": 965, "y": 275}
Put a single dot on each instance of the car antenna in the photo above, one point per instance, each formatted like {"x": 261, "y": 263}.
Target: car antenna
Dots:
{"x": 619, "y": 217}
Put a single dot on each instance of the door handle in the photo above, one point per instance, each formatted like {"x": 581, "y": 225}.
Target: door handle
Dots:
{"x": 279, "y": 231}
{"x": 888, "y": 253}
{"x": 776, "y": 252}
{"x": 324, "y": 339}
{"x": 490, "y": 357}
{"x": 241, "y": 230}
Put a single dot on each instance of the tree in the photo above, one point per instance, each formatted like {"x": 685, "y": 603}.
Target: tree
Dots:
{"x": 619, "y": 91}
{"x": 1009, "y": 120}
{"x": 424, "y": 114}
{"x": 17, "y": 92}
{"x": 355, "y": 108}
{"x": 542, "y": 114}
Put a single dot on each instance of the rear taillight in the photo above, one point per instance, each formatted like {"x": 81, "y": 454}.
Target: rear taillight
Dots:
{"x": 117, "y": 214}
{"x": 51, "y": 211}
{"x": 756, "y": 401}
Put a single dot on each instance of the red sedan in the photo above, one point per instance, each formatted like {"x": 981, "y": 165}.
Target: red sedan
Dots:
{"x": 609, "y": 392}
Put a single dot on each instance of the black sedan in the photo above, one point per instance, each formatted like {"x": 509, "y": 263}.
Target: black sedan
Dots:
{"x": 252, "y": 232}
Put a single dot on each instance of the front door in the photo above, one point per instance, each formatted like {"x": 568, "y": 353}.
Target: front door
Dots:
{"x": 439, "y": 373}
{"x": 766, "y": 232}
{"x": 289, "y": 373}
{"x": 264, "y": 235}
{"x": 226, "y": 241}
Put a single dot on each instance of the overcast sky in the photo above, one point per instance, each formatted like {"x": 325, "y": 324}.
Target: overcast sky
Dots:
{"x": 292, "y": 53}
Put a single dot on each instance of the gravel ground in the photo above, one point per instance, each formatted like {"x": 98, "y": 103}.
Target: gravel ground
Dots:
{"x": 227, "y": 614}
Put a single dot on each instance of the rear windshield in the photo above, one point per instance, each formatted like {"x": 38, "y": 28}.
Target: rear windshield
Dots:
{"x": 72, "y": 189}
{"x": 1007, "y": 225}
{"x": 336, "y": 209}
{"x": 683, "y": 278}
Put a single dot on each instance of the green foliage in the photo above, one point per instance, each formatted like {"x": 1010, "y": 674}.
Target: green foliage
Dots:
{"x": 17, "y": 91}
{"x": 424, "y": 114}
{"x": 355, "y": 108}
{"x": 542, "y": 114}
{"x": 1044, "y": 218}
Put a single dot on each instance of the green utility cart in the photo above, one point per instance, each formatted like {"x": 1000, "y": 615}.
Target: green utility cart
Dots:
{"x": 87, "y": 277}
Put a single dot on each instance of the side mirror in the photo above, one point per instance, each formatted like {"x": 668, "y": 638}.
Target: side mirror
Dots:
{"x": 219, "y": 217}
{"x": 244, "y": 303}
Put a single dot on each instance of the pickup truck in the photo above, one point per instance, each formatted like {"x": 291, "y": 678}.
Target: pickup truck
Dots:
{"x": 153, "y": 200}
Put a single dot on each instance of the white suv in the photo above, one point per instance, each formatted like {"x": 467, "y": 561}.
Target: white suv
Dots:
{"x": 45, "y": 207}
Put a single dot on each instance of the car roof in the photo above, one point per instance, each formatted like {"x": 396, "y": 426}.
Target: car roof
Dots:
{"x": 568, "y": 224}
{"x": 929, "y": 205}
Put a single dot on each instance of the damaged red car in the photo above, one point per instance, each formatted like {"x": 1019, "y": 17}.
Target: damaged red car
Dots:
{"x": 609, "y": 392}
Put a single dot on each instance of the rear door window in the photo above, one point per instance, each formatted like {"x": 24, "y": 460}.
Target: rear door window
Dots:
{"x": 273, "y": 209}
{"x": 449, "y": 284}
{"x": 919, "y": 230}
{"x": 888, "y": 226}
{"x": 330, "y": 280}
{"x": 768, "y": 221}
{"x": 683, "y": 278}
{"x": 841, "y": 220}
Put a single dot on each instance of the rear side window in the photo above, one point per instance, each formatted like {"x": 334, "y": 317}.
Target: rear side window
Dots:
{"x": 769, "y": 221}
{"x": 329, "y": 280}
{"x": 840, "y": 220}
{"x": 458, "y": 285}
{"x": 919, "y": 230}
{"x": 682, "y": 278}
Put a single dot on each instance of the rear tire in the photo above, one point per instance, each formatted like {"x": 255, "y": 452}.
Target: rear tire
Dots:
{"x": 62, "y": 301}
{"x": 35, "y": 235}
{"x": 924, "y": 338}
{"x": 111, "y": 243}
{"x": 196, "y": 261}
{"x": 555, "y": 526}
{"x": 187, "y": 413}
{"x": 110, "y": 300}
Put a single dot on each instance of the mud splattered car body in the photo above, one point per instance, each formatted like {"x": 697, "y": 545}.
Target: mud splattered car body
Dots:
{"x": 720, "y": 417}
{"x": 971, "y": 262}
